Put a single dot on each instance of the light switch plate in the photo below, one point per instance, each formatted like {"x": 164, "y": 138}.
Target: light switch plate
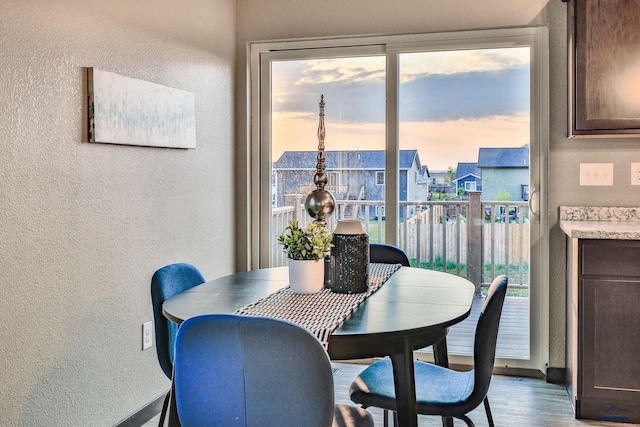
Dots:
{"x": 596, "y": 173}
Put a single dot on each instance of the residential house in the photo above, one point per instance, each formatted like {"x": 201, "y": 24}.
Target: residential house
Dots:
{"x": 352, "y": 175}
{"x": 438, "y": 183}
{"x": 504, "y": 171}
{"x": 84, "y": 226}
{"x": 468, "y": 177}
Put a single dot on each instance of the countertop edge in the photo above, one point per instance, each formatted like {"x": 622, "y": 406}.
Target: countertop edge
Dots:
{"x": 615, "y": 230}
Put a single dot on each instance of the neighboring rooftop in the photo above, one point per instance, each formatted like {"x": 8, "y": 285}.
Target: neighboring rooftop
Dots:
{"x": 467, "y": 169}
{"x": 503, "y": 157}
{"x": 365, "y": 159}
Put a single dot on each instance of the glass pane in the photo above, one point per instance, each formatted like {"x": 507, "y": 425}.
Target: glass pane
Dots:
{"x": 464, "y": 133}
{"x": 354, "y": 95}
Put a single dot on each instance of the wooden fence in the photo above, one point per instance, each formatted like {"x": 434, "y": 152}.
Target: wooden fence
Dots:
{"x": 439, "y": 235}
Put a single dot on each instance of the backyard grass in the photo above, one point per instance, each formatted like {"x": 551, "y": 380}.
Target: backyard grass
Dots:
{"x": 376, "y": 234}
{"x": 499, "y": 269}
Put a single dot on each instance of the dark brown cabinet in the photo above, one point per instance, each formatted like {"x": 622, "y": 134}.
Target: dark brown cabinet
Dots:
{"x": 603, "y": 61}
{"x": 603, "y": 329}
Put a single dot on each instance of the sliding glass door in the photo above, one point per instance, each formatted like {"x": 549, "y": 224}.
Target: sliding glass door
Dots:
{"x": 436, "y": 142}
{"x": 465, "y": 115}
{"x": 352, "y": 86}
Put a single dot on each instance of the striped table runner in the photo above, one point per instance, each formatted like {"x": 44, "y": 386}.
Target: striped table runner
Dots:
{"x": 322, "y": 312}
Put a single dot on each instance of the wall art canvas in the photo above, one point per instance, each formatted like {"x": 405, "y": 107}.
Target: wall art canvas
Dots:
{"x": 124, "y": 110}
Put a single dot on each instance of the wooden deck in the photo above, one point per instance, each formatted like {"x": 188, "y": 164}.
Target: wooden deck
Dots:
{"x": 513, "y": 335}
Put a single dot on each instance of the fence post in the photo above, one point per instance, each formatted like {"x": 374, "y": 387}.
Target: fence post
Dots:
{"x": 295, "y": 200}
{"x": 474, "y": 251}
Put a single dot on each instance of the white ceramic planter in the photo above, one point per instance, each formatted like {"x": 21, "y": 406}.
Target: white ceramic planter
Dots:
{"x": 306, "y": 276}
{"x": 349, "y": 227}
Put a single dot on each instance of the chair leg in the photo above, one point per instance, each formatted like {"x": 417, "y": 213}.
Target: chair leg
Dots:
{"x": 385, "y": 418}
{"x": 467, "y": 420}
{"x": 163, "y": 414}
{"x": 488, "y": 410}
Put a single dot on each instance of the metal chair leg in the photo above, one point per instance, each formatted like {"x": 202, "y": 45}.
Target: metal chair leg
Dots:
{"x": 385, "y": 418}
{"x": 447, "y": 422}
{"x": 467, "y": 421}
{"x": 488, "y": 411}
{"x": 163, "y": 414}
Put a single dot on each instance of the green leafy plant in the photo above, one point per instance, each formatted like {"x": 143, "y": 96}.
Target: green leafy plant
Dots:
{"x": 309, "y": 243}
{"x": 503, "y": 195}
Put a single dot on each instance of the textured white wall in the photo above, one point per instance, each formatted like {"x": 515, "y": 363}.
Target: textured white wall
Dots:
{"x": 281, "y": 19}
{"x": 84, "y": 226}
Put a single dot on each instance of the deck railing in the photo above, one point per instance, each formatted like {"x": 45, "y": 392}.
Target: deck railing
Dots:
{"x": 471, "y": 238}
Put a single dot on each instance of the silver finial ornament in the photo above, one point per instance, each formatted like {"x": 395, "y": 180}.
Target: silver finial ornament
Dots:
{"x": 320, "y": 203}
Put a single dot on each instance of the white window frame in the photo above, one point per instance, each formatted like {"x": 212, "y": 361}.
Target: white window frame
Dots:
{"x": 470, "y": 186}
{"x": 336, "y": 180}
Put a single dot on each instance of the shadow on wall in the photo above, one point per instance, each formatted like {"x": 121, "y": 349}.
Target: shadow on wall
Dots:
{"x": 205, "y": 24}
{"x": 89, "y": 373}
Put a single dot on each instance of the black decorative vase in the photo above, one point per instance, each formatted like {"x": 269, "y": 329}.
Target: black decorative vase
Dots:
{"x": 350, "y": 258}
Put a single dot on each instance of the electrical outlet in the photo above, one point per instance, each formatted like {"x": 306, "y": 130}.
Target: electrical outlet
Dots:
{"x": 147, "y": 335}
{"x": 635, "y": 173}
{"x": 596, "y": 173}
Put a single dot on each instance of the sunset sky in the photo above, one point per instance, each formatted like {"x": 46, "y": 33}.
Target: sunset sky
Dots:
{"x": 451, "y": 103}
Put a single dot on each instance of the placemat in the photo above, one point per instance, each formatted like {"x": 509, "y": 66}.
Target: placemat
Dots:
{"x": 322, "y": 312}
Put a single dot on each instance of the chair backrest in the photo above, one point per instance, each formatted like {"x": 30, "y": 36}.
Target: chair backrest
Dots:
{"x": 486, "y": 337}
{"x": 165, "y": 283}
{"x": 387, "y": 254}
{"x": 235, "y": 370}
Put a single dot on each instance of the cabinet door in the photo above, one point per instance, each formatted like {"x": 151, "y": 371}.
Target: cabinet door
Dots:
{"x": 610, "y": 339}
{"x": 603, "y": 72}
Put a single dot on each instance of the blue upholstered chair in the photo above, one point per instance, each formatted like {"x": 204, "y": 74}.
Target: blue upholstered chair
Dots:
{"x": 442, "y": 391}
{"x": 387, "y": 254}
{"x": 165, "y": 283}
{"x": 235, "y": 370}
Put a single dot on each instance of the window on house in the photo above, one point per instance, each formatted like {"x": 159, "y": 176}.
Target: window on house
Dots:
{"x": 470, "y": 186}
{"x": 380, "y": 178}
{"x": 333, "y": 178}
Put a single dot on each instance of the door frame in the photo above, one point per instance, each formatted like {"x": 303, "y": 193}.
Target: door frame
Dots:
{"x": 536, "y": 37}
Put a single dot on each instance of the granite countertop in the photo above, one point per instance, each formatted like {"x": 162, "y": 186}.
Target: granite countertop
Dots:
{"x": 600, "y": 222}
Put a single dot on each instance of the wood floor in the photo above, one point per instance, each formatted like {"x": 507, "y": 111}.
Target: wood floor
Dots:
{"x": 515, "y": 402}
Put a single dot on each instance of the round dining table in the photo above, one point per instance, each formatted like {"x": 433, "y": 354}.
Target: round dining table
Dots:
{"x": 412, "y": 310}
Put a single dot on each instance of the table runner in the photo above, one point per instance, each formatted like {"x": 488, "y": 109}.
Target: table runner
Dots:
{"x": 322, "y": 312}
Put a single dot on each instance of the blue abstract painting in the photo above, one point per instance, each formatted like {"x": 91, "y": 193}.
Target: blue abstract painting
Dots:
{"x": 124, "y": 110}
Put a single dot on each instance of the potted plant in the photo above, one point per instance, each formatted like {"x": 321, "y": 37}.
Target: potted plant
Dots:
{"x": 306, "y": 248}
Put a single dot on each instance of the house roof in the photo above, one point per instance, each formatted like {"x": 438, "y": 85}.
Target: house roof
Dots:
{"x": 467, "y": 169}
{"x": 423, "y": 175}
{"x": 503, "y": 157}
{"x": 364, "y": 159}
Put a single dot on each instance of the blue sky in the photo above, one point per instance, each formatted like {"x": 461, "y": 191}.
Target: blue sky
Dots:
{"x": 451, "y": 103}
